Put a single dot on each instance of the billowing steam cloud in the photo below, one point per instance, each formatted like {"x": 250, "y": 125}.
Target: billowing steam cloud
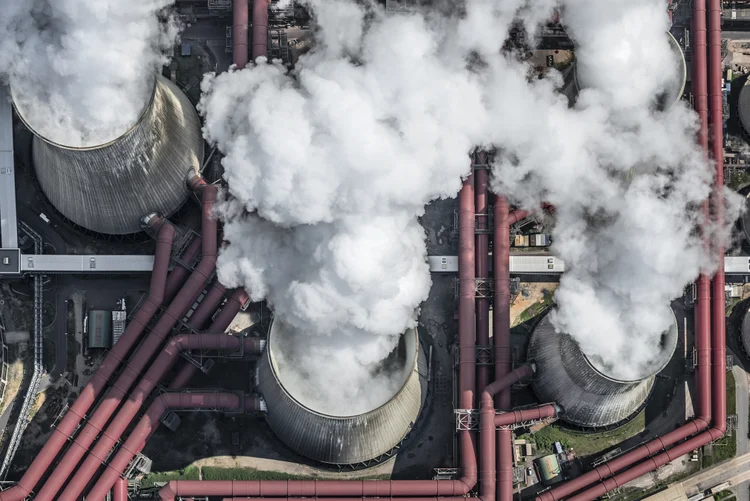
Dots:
{"x": 81, "y": 71}
{"x": 329, "y": 168}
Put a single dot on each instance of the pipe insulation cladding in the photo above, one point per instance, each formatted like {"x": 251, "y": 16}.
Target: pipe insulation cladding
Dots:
{"x": 108, "y": 188}
{"x": 302, "y": 418}
{"x": 588, "y": 391}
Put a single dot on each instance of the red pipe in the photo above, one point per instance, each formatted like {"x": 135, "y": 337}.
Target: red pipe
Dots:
{"x": 69, "y": 424}
{"x": 178, "y": 275}
{"x": 718, "y": 324}
{"x": 240, "y": 17}
{"x": 501, "y": 334}
{"x": 703, "y": 318}
{"x": 513, "y": 417}
{"x": 218, "y": 326}
{"x": 362, "y": 488}
{"x": 260, "y": 28}
{"x": 120, "y": 491}
{"x": 207, "y": 306}
{"x": 150, "y": 422}
{"x": 143, "y": 354}
{"x": 140, "y": 394}
{"x": 482, "y": 261}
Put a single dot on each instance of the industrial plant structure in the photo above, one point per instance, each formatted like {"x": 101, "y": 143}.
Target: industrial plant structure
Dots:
{"x": 676, "y": 87}
{"x": 591, "y": 396}
{"x": 107, "y": 188}
{"x": 93, "y": 443}
{"x": 340, "y": 439}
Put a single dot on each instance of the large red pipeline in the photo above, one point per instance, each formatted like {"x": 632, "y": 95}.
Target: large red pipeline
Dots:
{"x": 207, "y": 306}
{"x": 218, "y": 326}
{"x": 260, "y": 28}
{"x": 703, "y": 316}
{"x": 240, "y": 17}
{"x": 501, "y": 335}
{"x": 143, "y": 354}
{"x": 178, "y": 275}
{"x": 69, "y": 424}
{"x": 482, "y": 261}
{"x": 135, "y": 401}
{"x": 120, "y": 490}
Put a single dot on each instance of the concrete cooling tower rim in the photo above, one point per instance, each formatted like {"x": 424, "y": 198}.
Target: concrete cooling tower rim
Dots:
{"x": 410, "y": 338}
{"x": 670, "y": 344}
{"x": 675, "y": 96}
{"x": 141, "y": 116}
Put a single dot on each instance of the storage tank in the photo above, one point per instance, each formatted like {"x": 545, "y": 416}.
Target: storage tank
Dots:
{"x": 106, "y": 188}
{"x": 340, "y": 438}
{"x": 583, "y": 386}
{"x": 673, "y": 93}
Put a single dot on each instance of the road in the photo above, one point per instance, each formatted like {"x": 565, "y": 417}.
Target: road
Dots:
{"x": 735, "y": 35}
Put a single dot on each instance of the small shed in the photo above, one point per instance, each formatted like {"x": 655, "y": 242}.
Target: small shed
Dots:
{"x": 549, "y": 469}
{"x": 100, "y": 329}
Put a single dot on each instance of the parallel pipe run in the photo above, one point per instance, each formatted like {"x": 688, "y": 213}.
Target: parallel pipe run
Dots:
{"x": 139, "y": 395}
{"x": 120, "y": 490}
{"x": 180, "y": 273}
{"x": 150, "y": 422}
{"x": 218, "y": 326}
{"x": 69, "y": 424}
{"x": 240, "y": 17}
{"x": 703, "y": 323}
{"x": 140, "y": 359}
{"x": 260, "y": 28}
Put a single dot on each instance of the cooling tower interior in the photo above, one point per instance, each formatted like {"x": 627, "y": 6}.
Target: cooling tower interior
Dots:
{"x": 309, "y": 427}
{"x": 670, "y": 95}
{"x": 590, "y": 396}
{"x": 743, "y": 106}
{"x": 107, "y": 188}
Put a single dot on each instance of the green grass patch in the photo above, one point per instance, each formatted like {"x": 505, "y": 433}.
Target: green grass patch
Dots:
{"x": 738, "y": 178}
{"x": 189, "y": 473}
{"x": 723, "y": 495}
{"x": 536, "y": 309}
{"x": 587, "y": 444}
{"x": 726, "y": 447}
{"x": 220, "y": 473}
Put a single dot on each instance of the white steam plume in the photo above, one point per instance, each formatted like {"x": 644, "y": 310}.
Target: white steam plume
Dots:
{"x": 82, "y": 71}
{"x": 329, "y": 168}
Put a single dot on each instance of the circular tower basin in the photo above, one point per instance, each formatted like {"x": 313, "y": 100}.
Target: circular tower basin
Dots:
{"x": 589, "y": 394}
{"x": 107, "y": 188}
{"x": 743, "y": 106}
{"x": 672, "y": 93}
{"x": 745, "y": 333}
{"x": 305, "y": 418}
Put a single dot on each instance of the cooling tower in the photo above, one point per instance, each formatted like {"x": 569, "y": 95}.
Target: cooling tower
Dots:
{"x": 670, "y": 95}
{"x": 743, "y": 105}
{"x": 339, "y": 438}
{"x": 745, "y": 332}
{"x": 107, "y": 188}
{"x": 590, "y": 396}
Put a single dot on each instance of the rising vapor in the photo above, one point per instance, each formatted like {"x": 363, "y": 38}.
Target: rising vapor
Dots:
{"x": 81, "y": 71}
{"x": 329, "y": 168}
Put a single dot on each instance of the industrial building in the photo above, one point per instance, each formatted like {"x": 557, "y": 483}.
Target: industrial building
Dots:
{"x": 584, "y": 387}
{"x": 144, "y": 170}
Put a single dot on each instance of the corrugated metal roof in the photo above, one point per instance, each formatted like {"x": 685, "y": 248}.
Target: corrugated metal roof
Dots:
{"x": 108, "y": 188}
{"x": 589, "y": 398}
{"x": 100, "y": 329}
{"x": 342, "y": 440}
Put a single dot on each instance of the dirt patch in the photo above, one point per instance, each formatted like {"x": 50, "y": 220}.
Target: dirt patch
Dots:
{"x": 291, "y": 468}
{"x": 531, "y": 294}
